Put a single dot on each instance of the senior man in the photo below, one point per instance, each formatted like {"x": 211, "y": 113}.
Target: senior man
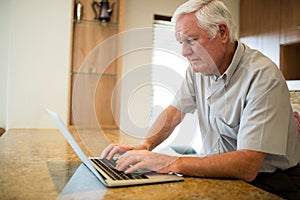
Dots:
{"x": 242, "y": 100}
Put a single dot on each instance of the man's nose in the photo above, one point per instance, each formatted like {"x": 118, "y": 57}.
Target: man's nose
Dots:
{"x": 186, "y": 49}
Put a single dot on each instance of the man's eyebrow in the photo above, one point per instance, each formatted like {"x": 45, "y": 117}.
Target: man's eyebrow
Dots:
{"x": 182, "y": 37}
{"x": 193, "y": 36}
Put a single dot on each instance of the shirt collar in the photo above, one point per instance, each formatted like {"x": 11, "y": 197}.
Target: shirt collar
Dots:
{"x": 226, "y": 76}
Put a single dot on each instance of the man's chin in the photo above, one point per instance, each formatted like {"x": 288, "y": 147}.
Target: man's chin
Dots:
{"x": 205, "y": 70}
{"x": 202, "y": 70}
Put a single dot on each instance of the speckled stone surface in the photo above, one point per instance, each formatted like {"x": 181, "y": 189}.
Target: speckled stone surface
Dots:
{"x": 295, "y": 101}
{"x": 38, "y": 164}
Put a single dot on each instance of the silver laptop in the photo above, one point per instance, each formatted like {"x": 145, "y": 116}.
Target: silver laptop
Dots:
{"x": 104, "y": 169}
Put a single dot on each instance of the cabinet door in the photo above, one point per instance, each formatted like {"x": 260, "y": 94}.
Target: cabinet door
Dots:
{"x": 258, "y": 17}
{"x": 260, "y": 26}
{"x": 289, "y": 61}
{"x": 94, "y": 67}
{"x": 290, "y": 21}
{"x": 92, "y": 102}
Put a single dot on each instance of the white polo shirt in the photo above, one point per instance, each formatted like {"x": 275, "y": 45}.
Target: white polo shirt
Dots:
{"x": 248, "y": 107}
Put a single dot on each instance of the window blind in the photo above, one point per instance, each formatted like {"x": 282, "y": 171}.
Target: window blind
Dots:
{"x": 168, "y": 66}
{"x": 167, "y": 73}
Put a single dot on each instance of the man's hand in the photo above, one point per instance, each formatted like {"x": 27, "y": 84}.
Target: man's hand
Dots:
{"x": 144, "y": 159}
{"x": 111, "y": 150}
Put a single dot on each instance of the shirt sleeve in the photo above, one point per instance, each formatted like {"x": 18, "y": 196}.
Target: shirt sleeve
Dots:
{"x": 185, "y": 99}
{"x": 264, "y": 123}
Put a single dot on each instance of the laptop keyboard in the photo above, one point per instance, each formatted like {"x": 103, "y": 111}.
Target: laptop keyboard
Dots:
{"x": 109, "y": 167}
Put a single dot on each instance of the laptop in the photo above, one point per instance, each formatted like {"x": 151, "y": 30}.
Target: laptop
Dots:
{"x": 104, "y": 169}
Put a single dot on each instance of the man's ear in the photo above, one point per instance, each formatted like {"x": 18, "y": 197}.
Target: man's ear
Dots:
{"x": 224, "y": 32}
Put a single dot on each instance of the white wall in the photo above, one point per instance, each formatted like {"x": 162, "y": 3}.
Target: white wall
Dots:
{"x": 4, "y": 62}
{"x": 36, "y": 61}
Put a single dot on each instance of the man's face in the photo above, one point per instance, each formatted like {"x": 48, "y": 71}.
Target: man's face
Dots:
{"x": 203, "y": 52}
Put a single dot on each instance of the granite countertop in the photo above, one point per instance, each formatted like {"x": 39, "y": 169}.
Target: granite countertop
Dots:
{"x": 38, "y": 164}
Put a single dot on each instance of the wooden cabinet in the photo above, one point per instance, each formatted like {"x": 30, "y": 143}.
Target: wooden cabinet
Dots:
{"x": 258, "y": 17}
{"x": 260, "y": 26}
{"x": 95, "y": 67}
{"x": 290, "y": 21}
{"x": 290, "y": 39}
{"x": 272, "y": 26}
{"x": 289, "y": 60}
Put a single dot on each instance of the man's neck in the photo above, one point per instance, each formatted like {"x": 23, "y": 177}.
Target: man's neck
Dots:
{"x": 231, "y": 48}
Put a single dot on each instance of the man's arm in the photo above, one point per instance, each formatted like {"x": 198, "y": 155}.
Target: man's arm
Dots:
{"x": 242, "y": 164}
{"x": 161, "y": 130}
{"x": 163, "y": 127}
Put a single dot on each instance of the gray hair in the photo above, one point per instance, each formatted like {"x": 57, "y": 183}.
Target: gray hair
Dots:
{"x": 209, "y": 14}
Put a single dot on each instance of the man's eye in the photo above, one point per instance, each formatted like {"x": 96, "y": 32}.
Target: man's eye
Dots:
{"x": 191, "y": 41}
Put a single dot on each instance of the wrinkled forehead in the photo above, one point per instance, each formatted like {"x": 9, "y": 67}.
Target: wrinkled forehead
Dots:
{"x": 182, "y": 32}
{"x": 187, "y": 27}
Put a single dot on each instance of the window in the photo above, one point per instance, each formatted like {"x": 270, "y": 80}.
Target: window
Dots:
{"x": 169, "y": 66}
{"x": 167, "y": 74}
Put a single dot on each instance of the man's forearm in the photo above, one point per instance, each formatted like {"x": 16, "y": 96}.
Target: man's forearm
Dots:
{"x": 243, "y": 164}
{"x": 163, "y": 127}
